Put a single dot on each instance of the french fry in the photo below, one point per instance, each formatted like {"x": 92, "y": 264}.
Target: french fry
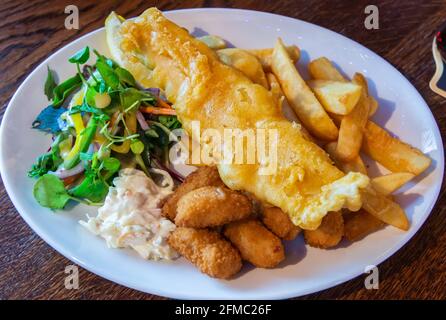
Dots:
{"x": 213, "y": 42}
{"x": 274, "y": 86}
{"x": 359, "y": 224}
{"x": 337, "y": 118}
{"x": 384, "y": 209}
{"x": 336, "y": 96}
{"x": 323, "y": 69}
{"x": 392, "y": 153}
{"x": 265, "y": 55}
{"x": 373, "y": 106}
{"x": 373, "y": 202}
{"x": 395, "y": 155}
{"x": 388, "y": 183}
{"x": 277, "y": 92}
{"x": 245, "y": 62}
{"x": 355, "y": 165}
{"x": 380, "y": 206}
{"x": 299, "y": 95}
{"x": 361, "y": 80}
{"x": 352, "y": 126}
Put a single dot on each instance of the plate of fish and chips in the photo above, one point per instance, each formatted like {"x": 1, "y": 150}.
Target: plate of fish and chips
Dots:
{"x": 359, "y": 155}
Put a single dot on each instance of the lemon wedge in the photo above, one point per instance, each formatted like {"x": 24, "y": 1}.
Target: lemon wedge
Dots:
{"x": 112, "y": 28}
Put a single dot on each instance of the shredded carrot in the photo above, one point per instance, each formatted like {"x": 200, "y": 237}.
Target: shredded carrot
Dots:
{"x": 113, "y": 119}
{"x": 154, "y": 110}
{"x": 163, "y": 104}
{"x": 69, "y": 180}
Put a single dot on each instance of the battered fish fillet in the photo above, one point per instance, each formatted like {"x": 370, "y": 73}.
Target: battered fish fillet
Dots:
{"x": 329, "y": 233}
{"x": 256, "y": 243}
{"x": 203, "y": 176}
{"x": 279, "y": 223}
{"x": 303, "y": 181}
{"x": 207, "y": 250}
{"x": 211, "y": 207}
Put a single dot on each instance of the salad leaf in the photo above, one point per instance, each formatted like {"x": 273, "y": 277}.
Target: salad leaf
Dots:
{"x": 89, "y": 96}
{"x": 108, "y": 74}
{"x": 49, "y": 191}
{"x": 163, "y": 139}
{"x": 125, "y": 77}
{"x": 85, "y": 108}
{"x": 47, "y": 120}
{"x": 140, "y": 162}
{"x": 151, "y": 133}
{"x": 102, "y": 86}
{"x": 131, "y": 98}
{"x": 81, "y": 56}
{"x": 49, "y": 161}
{"x": 63, "y": 90}
{"x": 104, "y": 59}
{"x": 85, "y": 156}
{"x": 90, "y": 188}
{"x": 111, "y": 164}
{"x": 94, "y": 186}
{"x": 50, "y": 84}
{"x": 146, "y": 157}
{"x": 46, "y": 162}
{"x": 170, "y": 122}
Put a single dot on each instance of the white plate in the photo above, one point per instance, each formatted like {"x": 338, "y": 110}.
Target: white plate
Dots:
{"x": 401, "y": 109}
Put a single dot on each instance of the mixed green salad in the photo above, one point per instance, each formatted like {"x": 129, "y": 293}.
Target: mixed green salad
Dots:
{"x": 101, "y": 121}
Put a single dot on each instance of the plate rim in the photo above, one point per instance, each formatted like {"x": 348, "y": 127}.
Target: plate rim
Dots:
{"x": 166, "y": 293}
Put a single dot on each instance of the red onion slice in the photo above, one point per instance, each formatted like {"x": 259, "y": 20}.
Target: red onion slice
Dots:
{"x": 142, "y": 121}
{"x": 155, "y": 91}
{"x": 63, "y": 174}
{"x": 175, "y": 174}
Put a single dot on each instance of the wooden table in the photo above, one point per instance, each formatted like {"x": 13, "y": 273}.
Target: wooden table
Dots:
{"x": 33, "y": 29}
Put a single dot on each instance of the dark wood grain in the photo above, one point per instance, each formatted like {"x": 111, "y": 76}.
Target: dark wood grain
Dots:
{"x": 32, "y": 30}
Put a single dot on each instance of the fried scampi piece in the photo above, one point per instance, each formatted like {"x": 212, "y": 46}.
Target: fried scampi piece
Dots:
{"x": 279, "y": 223}
{"x": 256, "y": 243}
{"x": 359, "y": 224}
{"x": 207, "y": 250}
{"x": 211, "y": 207}
{"x": 329, "y": 233}
{"x": 203, "y": 176}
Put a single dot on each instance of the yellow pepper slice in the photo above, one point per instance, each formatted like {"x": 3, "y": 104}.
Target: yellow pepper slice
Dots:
{"x": 130, "y": 120}
{"x": 78, "y": 122}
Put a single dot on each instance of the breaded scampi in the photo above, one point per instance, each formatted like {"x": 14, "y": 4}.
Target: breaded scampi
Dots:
{"x": 329, "y": 233}
{"x": 203, "y": 176}
{"x": 359, "y": 224}
{"x": 256, "y": 243}
{"x": 279, "y": 223}
{"x": 207, "y": 250}
{"x": 211, "y": 206}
